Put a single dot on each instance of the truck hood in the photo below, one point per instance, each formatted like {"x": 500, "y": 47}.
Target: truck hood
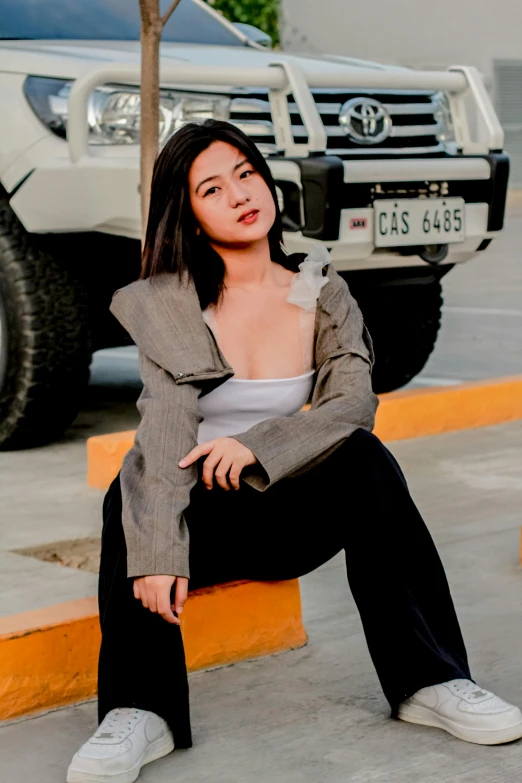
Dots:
{"x": 70, "y": 59}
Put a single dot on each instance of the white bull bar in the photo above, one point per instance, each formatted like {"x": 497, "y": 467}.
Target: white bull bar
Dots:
{"x": 477, "y": 127}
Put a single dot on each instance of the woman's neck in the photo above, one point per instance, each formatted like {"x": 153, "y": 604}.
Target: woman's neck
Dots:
{"x": 248, "y": 267}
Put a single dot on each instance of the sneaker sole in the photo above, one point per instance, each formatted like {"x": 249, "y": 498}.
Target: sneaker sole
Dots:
{"x": 425, "y": 717}
{"x": 160, "y": 747}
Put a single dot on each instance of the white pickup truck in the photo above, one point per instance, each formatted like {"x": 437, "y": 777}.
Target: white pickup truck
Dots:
{"x": 399, "y": 172}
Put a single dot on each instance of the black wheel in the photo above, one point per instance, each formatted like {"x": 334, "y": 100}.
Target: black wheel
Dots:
{"x": 45, "y": 348}
{"x": 403, "y": 321}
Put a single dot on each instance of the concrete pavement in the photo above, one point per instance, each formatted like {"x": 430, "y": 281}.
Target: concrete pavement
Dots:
{"x": 317, "y": 714}
{"x": 44, "y": 498}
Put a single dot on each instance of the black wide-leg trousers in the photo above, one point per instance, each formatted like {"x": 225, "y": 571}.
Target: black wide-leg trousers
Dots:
{"x": 357, "y": 499}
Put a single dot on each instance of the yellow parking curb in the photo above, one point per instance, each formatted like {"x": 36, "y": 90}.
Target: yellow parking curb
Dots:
{"x": 49, "y": 657}
{"x": 438, "y": 409}
{"x": 401, "y": 414}
{"x": 105, "y": 454}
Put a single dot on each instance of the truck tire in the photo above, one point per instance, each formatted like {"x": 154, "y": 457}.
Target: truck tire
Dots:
{"x": 45, "y": 350}
{"x": 404, "y": 322}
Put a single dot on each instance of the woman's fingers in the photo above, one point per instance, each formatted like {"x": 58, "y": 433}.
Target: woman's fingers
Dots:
{"x": 197, "y": 452}
{"x": 225, "y": 470}
{"x": 143, "y": 595}
{"x": 152, "y": 598}
{"x": 209, "y": 465}
{"x": 226, "y": 458}
{"x": 221, "y": 472}
{"x": 234, "y": 473}
{"x": 154, "y": 593}
{"x": 181, "y": 593}
{"x": 165, "y": 609}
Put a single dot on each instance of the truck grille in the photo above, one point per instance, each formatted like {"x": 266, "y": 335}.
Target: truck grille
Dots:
{"x": 414, "y": 126}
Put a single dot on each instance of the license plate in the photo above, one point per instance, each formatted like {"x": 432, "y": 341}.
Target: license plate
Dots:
{"x": 437, "y": 221}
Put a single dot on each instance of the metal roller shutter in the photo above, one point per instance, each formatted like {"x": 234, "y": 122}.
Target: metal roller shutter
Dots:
{"x": 508, "y": 99}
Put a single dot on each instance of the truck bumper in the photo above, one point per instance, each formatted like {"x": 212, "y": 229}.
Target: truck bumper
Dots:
{"x": 337, "y": 198}
{"x": 322, "y": 197}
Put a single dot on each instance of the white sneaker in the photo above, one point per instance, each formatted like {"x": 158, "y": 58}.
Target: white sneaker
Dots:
{"x": 126, "y": 739}
{"x": 465, "y": 710}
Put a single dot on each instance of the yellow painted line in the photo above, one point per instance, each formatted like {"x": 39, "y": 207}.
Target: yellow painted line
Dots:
{"x": 49, "y": 657}
{"x": 401, "y": 414}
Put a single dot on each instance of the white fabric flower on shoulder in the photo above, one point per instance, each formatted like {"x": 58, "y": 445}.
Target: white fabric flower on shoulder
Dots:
{"x": 307, "y": 283}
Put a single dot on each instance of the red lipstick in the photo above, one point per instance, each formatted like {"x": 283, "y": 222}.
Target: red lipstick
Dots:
{"x": 249, "y": 217}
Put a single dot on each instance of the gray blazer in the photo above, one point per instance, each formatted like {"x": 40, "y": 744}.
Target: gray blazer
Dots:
{"x": 180, "y": 361}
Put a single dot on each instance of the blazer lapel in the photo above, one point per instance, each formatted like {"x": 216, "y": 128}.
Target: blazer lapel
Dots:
{"x": 163, "y": 316}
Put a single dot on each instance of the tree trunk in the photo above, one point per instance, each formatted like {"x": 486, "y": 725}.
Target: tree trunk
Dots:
{"x": 152, "y": 24}
{"x": 150, "y": 40}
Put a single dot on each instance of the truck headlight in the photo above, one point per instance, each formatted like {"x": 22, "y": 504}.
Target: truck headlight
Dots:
{"x": 442, "y": 115}
{"x": 114, "y": 112}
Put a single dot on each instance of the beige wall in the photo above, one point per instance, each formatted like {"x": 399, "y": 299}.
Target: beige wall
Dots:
{"x": 416, "y": 33}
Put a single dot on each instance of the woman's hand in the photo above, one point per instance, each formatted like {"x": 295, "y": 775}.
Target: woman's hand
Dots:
{"x": 226, "y": 456}
{"x": 154, "y": 594}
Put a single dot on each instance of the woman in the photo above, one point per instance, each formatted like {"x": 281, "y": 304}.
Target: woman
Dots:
{"x": 234, "y": 336}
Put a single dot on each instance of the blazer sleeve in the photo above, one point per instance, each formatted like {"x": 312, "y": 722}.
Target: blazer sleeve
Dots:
{"x": 342, "y": 399}
{"x": 155, "y": 490}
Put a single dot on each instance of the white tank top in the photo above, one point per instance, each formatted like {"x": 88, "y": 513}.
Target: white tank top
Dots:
{"x": 240, "y": 403}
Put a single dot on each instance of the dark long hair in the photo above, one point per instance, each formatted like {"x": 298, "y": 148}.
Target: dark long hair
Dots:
{"x": 171, "y": 242}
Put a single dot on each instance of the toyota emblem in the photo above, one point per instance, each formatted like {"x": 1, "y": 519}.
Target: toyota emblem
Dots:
{"x": 365, "y": 120}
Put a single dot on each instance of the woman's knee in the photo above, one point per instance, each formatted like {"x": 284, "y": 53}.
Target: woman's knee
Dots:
{"x": 365, "y": 442}
{"x": 378, "y": 455}
{"x": 358, "y": 453}
{"x": 368, "y": 453}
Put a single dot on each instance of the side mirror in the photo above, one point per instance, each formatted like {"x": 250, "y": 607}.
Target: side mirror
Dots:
{"x": 255, "y": 34}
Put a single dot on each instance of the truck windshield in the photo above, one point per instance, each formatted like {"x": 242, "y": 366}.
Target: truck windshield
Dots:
{"x": 107, "y": 20}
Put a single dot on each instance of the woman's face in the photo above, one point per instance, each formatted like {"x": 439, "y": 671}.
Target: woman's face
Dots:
{"x": 231, "y": 202}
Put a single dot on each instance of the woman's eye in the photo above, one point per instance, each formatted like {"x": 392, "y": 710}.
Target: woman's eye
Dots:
{"x": 246, "y": 173}
{"x": 210, "y": 191}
